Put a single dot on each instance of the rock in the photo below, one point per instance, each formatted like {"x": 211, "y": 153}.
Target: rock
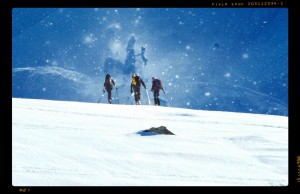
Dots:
{"x": 159, "y": 130}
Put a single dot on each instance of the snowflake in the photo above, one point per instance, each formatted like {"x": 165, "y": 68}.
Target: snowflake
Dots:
{"x": 88, "y": 39}
{"x": 227, "y": 74}
{"x": 207, "y": 93}
{"x": 54, "y": 63}
{"x": 245, "y": 56}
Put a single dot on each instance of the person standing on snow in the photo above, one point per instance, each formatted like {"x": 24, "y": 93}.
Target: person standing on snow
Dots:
{"x": 108, "y": 85}
{"x": 156, "y": 87}
{"x": 136, "y": 88}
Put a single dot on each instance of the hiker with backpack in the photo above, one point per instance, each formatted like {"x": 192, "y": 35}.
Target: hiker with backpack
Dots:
{"x": 136, "y": 88}
{"x": 108, "y": 85}
{"x": 156, "y": 87}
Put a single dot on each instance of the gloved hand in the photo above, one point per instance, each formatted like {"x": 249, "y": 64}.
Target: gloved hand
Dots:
{"x": 103, "y": 91}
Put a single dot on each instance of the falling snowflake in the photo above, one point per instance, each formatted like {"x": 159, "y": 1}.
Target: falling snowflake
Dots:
{"x": 54, "y": 63}
{"x": 207, "y": 93}
{"x": 87, "y": 39}
{"x": 245, "y": 56}
{"x": 227, "y": 74}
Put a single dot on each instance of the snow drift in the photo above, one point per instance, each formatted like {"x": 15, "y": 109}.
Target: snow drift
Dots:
{"x": 61, "y": 143}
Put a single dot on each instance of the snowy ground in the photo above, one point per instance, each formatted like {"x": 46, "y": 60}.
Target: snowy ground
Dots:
{"x": 60, "y": 143}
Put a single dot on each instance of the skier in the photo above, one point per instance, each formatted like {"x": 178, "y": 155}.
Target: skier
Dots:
{"x": 108, "y": 85}
{"x": 136, "y": 88}
{"x": 156, "y": 86}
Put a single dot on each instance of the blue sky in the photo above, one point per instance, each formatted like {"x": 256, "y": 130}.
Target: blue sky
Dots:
{"x": 211, "y": 59}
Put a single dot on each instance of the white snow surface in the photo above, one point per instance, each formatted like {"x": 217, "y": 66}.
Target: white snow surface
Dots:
{"x": 63, "y": 143}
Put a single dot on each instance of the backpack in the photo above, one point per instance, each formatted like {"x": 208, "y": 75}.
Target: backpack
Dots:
{"x": 108, "y": 83}
{"x": 157, "y": 84}
{"x": 136, "y": 81}
{"x": 133, "y": 81}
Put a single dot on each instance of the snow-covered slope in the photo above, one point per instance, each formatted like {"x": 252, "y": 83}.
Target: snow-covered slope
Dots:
{"x": 61, "y": 143}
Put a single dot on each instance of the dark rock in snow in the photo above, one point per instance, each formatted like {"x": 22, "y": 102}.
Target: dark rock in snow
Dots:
{"x": 159, "y": 130}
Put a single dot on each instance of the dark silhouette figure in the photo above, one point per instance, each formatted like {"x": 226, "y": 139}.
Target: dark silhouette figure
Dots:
{"x": 143, "y": 50}
{"x": 130, "y": 57}
{"x": 108, "y": 85}
{"x": 136, "y": 88}
{"x": 156, "y": 87}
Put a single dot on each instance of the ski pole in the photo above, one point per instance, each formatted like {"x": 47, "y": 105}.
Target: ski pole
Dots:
{"x": 149, "y": 102}
{"x": 166, "y": 96}
{"x": 133, "y": 97}
{"x": 101, "y": 95}
{"x": 117, "y": 95}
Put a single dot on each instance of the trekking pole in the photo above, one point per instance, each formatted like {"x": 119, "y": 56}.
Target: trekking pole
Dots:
{"x": 117, "y": 95}
{"x": 166, "y": 96}
{"x": 133, "y": 98}
{"x": 101, "y": 95}
{"x": 149, "y": 102}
